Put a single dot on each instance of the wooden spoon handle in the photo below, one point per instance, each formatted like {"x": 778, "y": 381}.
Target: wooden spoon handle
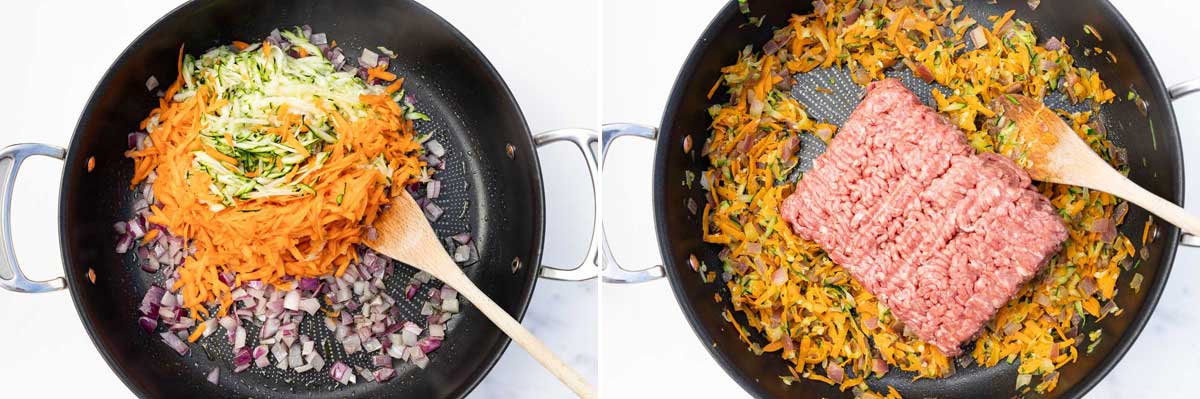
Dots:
{"x": 1166, "y": 210}
{"x": 521, "y": 336}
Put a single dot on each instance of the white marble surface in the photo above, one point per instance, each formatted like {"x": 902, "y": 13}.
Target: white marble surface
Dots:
{"x": 44, "y": 351}
{"x": 650, "y": 351}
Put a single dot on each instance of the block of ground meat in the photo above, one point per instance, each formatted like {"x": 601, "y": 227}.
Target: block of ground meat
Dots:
{"x": 943, "y": 236}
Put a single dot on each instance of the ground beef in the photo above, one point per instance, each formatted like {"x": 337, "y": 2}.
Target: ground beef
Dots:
{"x": 943, "y": 236}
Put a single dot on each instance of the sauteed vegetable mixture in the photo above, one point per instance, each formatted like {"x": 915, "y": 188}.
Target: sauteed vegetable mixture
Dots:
{"x": 808, "y": 310}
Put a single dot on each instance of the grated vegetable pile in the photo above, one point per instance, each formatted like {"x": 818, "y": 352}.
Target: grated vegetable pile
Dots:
{"x": 271, "y": 165}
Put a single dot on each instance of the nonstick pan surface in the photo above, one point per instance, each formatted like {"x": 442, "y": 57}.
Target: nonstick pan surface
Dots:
{"x": 1157, "y": 166}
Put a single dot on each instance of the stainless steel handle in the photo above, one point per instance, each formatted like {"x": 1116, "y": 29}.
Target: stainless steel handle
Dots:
{"x": 11, "y": 276}
{"x": 1181, "y": 90}
{"x": 612, "y": 271}
{"x": 1178, "y": 91}
{"x": 586, "y": 141}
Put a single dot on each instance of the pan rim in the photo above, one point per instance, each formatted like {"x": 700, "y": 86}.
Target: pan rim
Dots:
{"x": 537, "y": 224}
{"x": 747, "y": 382}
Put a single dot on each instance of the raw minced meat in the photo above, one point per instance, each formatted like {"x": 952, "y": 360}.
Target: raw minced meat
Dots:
{"x": 943, "y": 236}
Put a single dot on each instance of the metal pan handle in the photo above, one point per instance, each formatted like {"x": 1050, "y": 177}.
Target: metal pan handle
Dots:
{"x": 1176, "y": 92}
{"x": 11, "y": 276}
{"x": 585, "y": 140}
{"x": 612, "y": 271}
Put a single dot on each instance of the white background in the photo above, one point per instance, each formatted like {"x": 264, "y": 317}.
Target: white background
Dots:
{"x": 651, "y": 352}
{"x": 55, "y": 53}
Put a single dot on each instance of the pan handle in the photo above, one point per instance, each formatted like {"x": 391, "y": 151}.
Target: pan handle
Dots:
{"x": 11, "y": 276}
{"x": 585, "y": 140}
{"x": 1178, "y": 91}
{"x": 612, "y": 271}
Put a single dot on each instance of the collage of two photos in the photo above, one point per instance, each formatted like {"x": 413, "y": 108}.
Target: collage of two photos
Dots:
{"x": 597, "y": 199}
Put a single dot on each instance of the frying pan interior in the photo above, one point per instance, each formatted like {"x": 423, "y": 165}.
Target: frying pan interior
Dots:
{"x": 1156, "y": 164}
{"x": 496, "y": 197}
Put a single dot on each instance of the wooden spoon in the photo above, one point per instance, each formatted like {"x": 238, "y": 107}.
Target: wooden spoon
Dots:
{"x": 405, "y": 235}
{"x": 1054, "y": 153}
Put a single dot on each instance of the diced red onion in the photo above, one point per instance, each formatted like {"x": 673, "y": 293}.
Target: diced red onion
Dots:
{"x": 151, "y": 83}
{"x": 136, "y": 228}
{"x": 148, "y": 324}
{"x": 310, "y": 305}
{"x": 124, "y": 243}
{"x": 295, "y": 358}
{"x": 260, "y": 356}
{"x": 835, "y": 372}
{"x": 319, "y": 39}
{"x": 316, "y": 361}
{"x": 352, "y": 344}
{"x": 1053, "y": 44}
{"x": 434, "y": 189}
{"x": 227, "y": 322}
{"x": 339, "y": 372}
{"x": 239, "y": 337}
{"x": 429, "y": 345}
{"x": 450, "y": 305}
{"x": 779, "y": 277}
{"x": 852, "y": 15}
{"x": 175, "y": 343}
{"x": 437, "y": 331}
{"x": 433, "y": 212}
{"x": 435, "y": 147}
{"x": 879, "y": 366}
{"x": 292, "y": 300}
{"x": 153, "y": 296}
{"x": 215, "y": 374}
{"x": 462, "y": 238}
{"x": 368, "y": 59}
{"x": 185, "y": 323}
{"x": 243, "y": 357}
{"x": 819, "y": 7}
{"x": 168, "y": 300}
{"x": 384, "y": 374}
{"x": 309, "y": 283}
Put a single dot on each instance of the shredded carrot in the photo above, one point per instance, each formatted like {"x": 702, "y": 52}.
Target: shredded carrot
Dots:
{"x": 266, "y": 47}
{"x": 150, "y": 236}
{"x": 713, "y": 90}
{"x": 275, "y": 239}
{"x": 1146, "y": 230}
{"x": 199, "y": 332}
{"x": 91, "y": 164}
{"x": 240, "y": 45}
{"x": 1000, "y": 22}
{"x": 395, "y": 86}
{"x": 300, "y": 50}
{"x": 380, "y": 73}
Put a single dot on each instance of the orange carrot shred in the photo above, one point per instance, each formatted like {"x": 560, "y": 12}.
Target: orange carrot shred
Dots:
{"x": 199, "y": 332}
{"x": 150, "y": 236}
{"x": 274, "y": 239}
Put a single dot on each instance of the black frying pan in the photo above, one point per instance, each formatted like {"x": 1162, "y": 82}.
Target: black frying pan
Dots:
{"x": 679, "y": 231}
{"x": 474, "y": 116}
